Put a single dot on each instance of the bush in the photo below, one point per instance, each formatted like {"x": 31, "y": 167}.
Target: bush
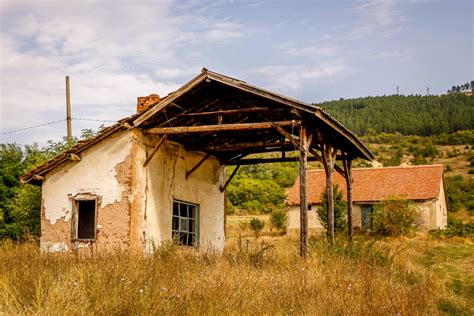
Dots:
{"x": 340, "y": 209}
{"x": 278, "y": 219}
{"x": 256, "y": 225}
{"x": 456, "y": 228}
{"x": 395, "y": 217}
{"x": 460, "y": 192}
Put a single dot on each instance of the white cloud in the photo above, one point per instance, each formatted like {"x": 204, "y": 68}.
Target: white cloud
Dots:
{"x": 289, "y": 78}
{"x": 399, "y": 55}
{"x": 381, "y": 16}
{"x": 113, "y": 52}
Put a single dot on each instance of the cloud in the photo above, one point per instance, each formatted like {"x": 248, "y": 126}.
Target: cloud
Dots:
{"x": 381, "y": 16}
{"x": 399, "y": 55}
{"x": 113, "y": 52}
{"x": 290, "y": 78}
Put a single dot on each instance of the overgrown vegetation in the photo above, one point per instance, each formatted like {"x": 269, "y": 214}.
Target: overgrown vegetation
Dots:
{"x": 260, "y": 188}
{"x": 340, "y": 210}
{"x": 395, "y": 217}
{"x": 20, "y": 204}
{"x": 256, "y": 225}
{"x": 255, "y": 279}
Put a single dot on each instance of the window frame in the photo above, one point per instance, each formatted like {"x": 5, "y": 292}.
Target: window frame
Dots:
{"x": 81, "y": 197}
{"x": 197, "y": 221}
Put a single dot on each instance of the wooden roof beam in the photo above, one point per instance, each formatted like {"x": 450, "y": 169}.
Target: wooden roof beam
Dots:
{"x": 219, "y": 128}
{"x": 225, "y": 112}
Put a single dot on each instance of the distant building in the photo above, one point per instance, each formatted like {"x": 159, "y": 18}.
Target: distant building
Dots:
{"x": 424, "y": 185}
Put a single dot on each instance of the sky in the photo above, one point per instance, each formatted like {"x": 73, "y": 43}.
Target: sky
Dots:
{"x": 314, "y": 51}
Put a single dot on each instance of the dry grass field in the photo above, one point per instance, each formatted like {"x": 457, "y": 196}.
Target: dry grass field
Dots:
{"x": 416, "y": 276}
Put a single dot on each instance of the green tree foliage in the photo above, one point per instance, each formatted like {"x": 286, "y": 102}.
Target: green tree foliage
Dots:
{"x": 278, "y": 219}
{"x": 409, "y": 115}
{"x": 261, "y": 188}
{"x": 460, "y": 193}
{"x": 255, "y": 195}
{"x": 395, "y": 217}
{"x": 256, "y": 225}
{"x": 340, "y": 210}
{"x": 20, "y": 204}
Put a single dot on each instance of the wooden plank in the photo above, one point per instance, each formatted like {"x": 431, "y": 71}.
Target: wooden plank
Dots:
{"x": 224, "y": 112}
{"x": 243, "y": 146}
{"x": 288, "y": 136}
{"x": 190, "y": 172}
{"x": 216, "y": 128}
{"x": 348, "y": 170}
{"x": 155, "y": 150}
{"x": 253, "y": 161}
{"x": 303, "y": 195}
{"x": 320, "y": 159}
{"x": 222, "y": 188}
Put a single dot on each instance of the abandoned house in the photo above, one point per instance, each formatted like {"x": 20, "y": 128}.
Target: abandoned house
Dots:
{"x": 159, "y": 174}
{"x": 424, "y": 185}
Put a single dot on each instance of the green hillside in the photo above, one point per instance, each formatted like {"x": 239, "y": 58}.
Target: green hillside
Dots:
{"x": 409, "y": 115}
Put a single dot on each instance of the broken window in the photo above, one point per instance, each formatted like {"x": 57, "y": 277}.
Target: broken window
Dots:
{"x": 84, "y": 219}
{"x": 185, "y": 226}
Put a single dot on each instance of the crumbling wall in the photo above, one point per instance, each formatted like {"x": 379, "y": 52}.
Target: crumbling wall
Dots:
{"x": 104, "y": 171}
{"x": 164, "y": 179}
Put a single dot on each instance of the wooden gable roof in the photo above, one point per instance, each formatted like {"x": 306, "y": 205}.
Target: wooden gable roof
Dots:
{"x": 228, "y": 119}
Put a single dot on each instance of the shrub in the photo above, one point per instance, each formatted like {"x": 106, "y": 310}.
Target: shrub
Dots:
{"x": 278, "y": 219}
{"x": 456, "y": 228}
{"x": 395, "y": 217}
{"x": 256, "y": 225}
{"x": 340, "y": 209}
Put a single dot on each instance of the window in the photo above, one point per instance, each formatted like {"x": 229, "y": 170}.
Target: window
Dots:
{"x": 309, "y": 207}
{"x": 185, "y": 223}
{"x": 84, "y": 218}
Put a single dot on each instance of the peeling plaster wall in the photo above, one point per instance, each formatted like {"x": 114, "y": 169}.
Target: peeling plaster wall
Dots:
{"x": 163, "y": 180}
{"x": 105, "y": 171}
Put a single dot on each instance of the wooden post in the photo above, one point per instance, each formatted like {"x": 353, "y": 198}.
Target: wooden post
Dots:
{"x": 303, "y": 194}
{"x": 348, "y": 172}
{"x": 328, "y": 158}
{"x": 68, "y": 111}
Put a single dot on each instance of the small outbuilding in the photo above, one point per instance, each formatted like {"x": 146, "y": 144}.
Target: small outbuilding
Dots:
{"x": 424, "y": 185}
{"x": 159, "y": 174}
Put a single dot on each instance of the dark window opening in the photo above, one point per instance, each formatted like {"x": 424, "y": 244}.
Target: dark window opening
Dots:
{"x": 184, "y": 225}
{"x": 366, "y": 214}
{"x": 309, "y": 207}
{"x": 86, "y": 219}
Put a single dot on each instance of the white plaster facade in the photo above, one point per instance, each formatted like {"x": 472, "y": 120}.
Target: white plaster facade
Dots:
{"x": 135, "y": 202}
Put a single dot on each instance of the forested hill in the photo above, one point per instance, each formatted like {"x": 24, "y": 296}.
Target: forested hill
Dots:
{"x": 409, "y": 115}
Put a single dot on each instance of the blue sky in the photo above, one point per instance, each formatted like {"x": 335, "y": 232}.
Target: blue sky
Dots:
{"x": 314, "y": 51}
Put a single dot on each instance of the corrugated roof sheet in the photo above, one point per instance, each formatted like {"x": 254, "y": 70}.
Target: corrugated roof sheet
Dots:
{"x": 375, "y": 184}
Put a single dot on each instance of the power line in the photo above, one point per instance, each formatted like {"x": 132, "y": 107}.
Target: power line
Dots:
{"x": 31, "y": 127}
{"x": 55, "y": 122}
{"x": 93, "y": 120}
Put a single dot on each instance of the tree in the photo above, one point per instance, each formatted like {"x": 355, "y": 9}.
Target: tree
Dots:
{"x": 395, "y": 217}
{"x": 340, "y": 210}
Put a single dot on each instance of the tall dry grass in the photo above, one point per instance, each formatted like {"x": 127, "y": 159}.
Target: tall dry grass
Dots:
{"x": 253, "y": 279}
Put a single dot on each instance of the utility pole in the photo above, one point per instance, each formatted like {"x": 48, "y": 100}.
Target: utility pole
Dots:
{"x": 398, "y": 90}
{"x": 427, "y": 90}
{"x": 68, "y": 111}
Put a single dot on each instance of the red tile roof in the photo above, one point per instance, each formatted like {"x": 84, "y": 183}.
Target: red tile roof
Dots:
{"x": 375, "y": 184}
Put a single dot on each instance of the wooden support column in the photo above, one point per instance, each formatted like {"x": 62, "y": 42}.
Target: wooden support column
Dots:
{"x": 329, "y": 158}
{"x": 303, "y": 194}
{"x": 348, "y": 171}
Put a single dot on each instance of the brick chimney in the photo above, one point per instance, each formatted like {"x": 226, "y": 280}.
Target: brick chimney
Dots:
{"x": 144, "y": 103}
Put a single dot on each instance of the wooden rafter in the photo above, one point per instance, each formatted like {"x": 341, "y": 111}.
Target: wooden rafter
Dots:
{"x": 190, "y": 172}
{"x": 222, "y": 188}
{"x": 154, "y": 150}
{"x": 217, "y": 128}
{"x": 225, "y": 112}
